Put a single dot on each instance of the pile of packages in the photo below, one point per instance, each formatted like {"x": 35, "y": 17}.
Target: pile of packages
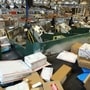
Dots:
{"x": 34, "y": 81}
{"x": 83, "y": 52}
{"x": 15, "y": 70}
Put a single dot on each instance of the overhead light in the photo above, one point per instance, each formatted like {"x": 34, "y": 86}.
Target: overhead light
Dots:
{"x": 67, "y": 2}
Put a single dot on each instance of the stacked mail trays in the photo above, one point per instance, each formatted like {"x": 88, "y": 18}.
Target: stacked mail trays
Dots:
{"x": 35, "y": 60}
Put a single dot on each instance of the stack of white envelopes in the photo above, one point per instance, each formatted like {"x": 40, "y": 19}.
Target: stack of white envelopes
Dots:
{"x": 36, "y": 61}
{"x": 11, "y": 71}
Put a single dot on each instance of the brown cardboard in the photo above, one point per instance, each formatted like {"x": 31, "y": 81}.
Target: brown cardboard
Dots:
{"x": 33, "y": 78}
{"x": 39, "y": 88}
{"x": 75, "y": 47}
{"x": 2, "y": 88}
{"x": 87, "y": 83}
{"x": 47, "y": 86}
{"x": 61, "y": 73}
{"x": 82, "y": 62}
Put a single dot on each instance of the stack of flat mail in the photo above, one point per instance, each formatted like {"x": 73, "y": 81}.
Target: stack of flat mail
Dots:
{"x": 36, "y": 61}
{"x": 84, "y": 51}
{"x": 11, "y": 71}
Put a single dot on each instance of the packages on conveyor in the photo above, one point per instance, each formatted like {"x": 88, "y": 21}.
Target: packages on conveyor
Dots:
{"x": 84, "y": 51}
{"x": 11, "y": 71}
{"x": 65, "y": 28}
{"x": 36, "y": 61}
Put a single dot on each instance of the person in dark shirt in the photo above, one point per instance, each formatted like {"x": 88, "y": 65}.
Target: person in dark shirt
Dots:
{"x": 85, "y": 19}
{"x": 71, "y": 21}
{"x": 53, "y": 21}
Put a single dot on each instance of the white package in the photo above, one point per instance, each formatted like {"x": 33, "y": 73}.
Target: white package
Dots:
{"x": 84, "y": 51}
{"x": 67, "y": 56}
{"x": 46, "y": 73}
{"x": 35, "y": 60}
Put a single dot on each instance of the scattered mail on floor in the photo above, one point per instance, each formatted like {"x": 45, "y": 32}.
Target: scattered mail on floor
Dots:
{"x": 13, "y": 70}
{"x": 36, "y": 61}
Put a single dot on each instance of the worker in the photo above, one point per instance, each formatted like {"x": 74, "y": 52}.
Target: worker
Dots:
{"x": 53, "y": 21}
{"x": 71, "y": 21}
{"x": 85, "y": 19}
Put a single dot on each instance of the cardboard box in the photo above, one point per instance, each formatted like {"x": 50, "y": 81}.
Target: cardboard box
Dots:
{"x": 47, "y": 86}
{"x": 87, "y": 83}
{"x": 34, "y": 78}
{"x": 75, "y": 47}
{"x": 82, "y": 62}
{"x": 2, "y": 88}
{"x": 61, "y": 73}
